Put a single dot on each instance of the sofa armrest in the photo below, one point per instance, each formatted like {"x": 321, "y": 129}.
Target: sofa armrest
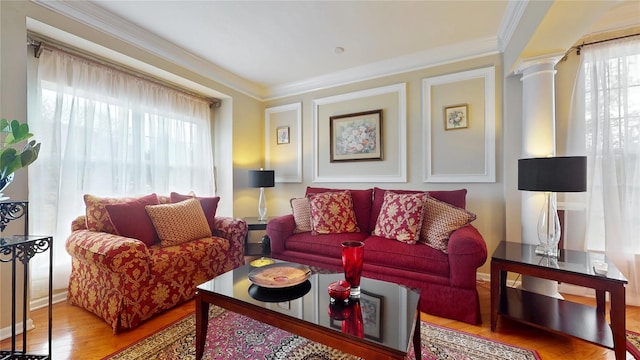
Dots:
{"x": 79, "y": 223}
{"x": 233, "y": 229}
{"x": 112, "y": 253}
{"x": 467, "y": 252}
{"x": 279, "y": 229}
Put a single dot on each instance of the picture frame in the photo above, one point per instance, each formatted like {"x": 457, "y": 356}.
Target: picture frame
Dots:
{"x": 356, "y": 137}
{"x": 282, "y": 135}
{"x": 371, "y": 306}
{"x": 456, "y": 117}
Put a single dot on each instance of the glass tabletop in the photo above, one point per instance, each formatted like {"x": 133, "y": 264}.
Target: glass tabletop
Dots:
{"x": 572, "y": 261}
{"x": 388, "y": 310}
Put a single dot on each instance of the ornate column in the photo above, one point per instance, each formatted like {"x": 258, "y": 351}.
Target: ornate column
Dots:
{"x": 538, "y": 140}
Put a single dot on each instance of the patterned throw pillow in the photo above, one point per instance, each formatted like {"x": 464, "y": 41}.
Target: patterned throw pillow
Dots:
{"x": 440, "y": 220}
{"x": 301, "y": 214}
{"x": 401, "y": 217}
{"x": 179, "y": 222}
{"x": 332, "y": 213}
{"x": 97, "y": 217}
{"x": 209, "y": 205}
{"x": 130, "y": 219}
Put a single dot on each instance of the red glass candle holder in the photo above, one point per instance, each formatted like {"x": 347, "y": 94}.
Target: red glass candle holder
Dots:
{"x": 339, "y": 291}
{"x": 352, "y": 258}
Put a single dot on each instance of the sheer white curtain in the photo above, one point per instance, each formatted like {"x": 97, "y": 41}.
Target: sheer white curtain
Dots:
{"x": 605, "y": 125}
{"x": 108, "y": 133}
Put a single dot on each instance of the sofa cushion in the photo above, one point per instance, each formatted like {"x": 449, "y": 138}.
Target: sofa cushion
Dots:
{"x": 301, "y": 214}
{"x": 332, "y": 213}
{"x": 418, "y": 258}
{"x": 130, "y": 219}
{"x": 209, "y": 205}
{"x": 401, "y": 217}
{"x": 441, "y": 219}
{"x": 361, "y": 205}
{"x": 454, "y": 197}
{"x": 180, "y": 222}
{"x": 97, "y": 216}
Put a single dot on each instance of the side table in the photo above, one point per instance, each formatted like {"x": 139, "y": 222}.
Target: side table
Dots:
{"x": 22, "y": 248}
{"x": 556, "y": 315}
{"x": 263, "y": 248}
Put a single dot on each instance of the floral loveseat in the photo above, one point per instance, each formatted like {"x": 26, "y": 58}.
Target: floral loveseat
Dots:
{"x": 135, "y": 257}
{"x": 437, "y": 250}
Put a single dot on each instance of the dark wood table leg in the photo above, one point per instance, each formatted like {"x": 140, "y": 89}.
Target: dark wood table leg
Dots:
{"x": 618, "y": 322}
{"x": 417, "y": 341}
{"x": 496, "y": 284}
{"x": 202, "y": 321}
{"x": 601, "y": 303}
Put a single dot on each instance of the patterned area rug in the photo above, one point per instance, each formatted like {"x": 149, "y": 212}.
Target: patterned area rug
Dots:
{"x": 233, "y": 336}
{"x": 633, "y": 344}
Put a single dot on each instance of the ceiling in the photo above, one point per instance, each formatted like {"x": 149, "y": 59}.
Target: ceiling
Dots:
{"x": 271, "y": 48}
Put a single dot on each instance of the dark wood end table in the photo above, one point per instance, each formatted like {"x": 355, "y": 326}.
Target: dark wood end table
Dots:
{"x": 557, "y": 315}
{"x": 263, "y": 248}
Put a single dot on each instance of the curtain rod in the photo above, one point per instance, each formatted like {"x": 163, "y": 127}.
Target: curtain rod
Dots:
{"x": 578, "y": 48}
{"x": 39, "y": 44}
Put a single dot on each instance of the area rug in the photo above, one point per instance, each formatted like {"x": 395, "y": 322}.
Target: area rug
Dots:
{"x": 633, "y": 344}
{"x": 233, "y": 336}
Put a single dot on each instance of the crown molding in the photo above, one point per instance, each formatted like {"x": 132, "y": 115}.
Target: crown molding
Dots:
{"x": 402, "y": 64}
{"x": 98, "y": 18}
{"x": 513, "y": 14}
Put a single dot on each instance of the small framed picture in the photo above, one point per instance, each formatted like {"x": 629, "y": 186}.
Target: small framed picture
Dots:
{"x": 282, "y": 134}
{"x": 356, "y": 136}
{"x": 455, "y": 117}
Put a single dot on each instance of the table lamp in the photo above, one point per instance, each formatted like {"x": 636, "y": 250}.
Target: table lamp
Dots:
{"x": 262, "y": 179}
{"x": 551, "y": 175}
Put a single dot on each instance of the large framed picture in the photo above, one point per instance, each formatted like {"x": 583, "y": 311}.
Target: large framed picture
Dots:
{"x": 455, "y": 117}
{"x": 371, "y": 306}
{"x": 356, "y": 136}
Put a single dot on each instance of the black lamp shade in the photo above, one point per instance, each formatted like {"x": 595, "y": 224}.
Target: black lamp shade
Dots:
{"x": 554, "y": 174}
{"x": 261, "y": 178}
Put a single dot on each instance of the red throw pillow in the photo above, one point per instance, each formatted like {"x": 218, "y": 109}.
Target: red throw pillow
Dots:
{"x": 130, "y": 219}
{"x": 209, "y": 205}
{"x": 332, "y": 213}
{"x": 401, "y": 217}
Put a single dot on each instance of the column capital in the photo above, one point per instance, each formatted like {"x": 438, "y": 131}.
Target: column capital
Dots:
{"x": 543, "y": 63}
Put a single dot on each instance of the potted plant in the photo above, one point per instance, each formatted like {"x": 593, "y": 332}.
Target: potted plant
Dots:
{"x": 13, "y": 155}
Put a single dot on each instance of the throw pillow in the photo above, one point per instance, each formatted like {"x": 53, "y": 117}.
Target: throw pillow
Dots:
{"x": 130, "y": 219}
{"x": 440, "y": 220}
{"x": 179, "y": 222}
{"x": 97, "y": 217}
{"x": 332, "y": 213}
{"x": 401, "y": 217}
{"x": 301, "y": 214}
{"x": 209, "y": 205}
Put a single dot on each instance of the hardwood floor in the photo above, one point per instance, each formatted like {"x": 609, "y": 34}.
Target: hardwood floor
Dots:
{"x": 77, "y": 334}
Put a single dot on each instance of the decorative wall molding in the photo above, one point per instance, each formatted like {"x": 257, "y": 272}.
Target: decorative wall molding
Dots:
{"x": 401, "y": 176}
{"x": 488, "y": 173}
{"x": 295, "y": 135}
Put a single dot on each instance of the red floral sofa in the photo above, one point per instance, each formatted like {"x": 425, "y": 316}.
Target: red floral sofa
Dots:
{"x": 122, "y": 279}
{"x": 445, "y": 272}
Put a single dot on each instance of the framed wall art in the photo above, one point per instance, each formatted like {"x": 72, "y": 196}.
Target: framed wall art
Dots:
{"x": 356, "y": 136}
{"x": 282, "y": 135}
{"x": 456, "y": 117}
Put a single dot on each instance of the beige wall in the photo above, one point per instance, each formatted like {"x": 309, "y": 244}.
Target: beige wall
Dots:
{"x": 484, "y": 199}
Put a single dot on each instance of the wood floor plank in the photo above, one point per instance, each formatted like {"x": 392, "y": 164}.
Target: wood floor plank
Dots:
{"x": 77, "y": 334}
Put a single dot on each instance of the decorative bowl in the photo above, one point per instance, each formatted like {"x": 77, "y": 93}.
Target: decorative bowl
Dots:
{"x": 339, "y": 290}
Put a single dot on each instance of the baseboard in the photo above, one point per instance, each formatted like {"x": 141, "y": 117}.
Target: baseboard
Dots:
{"x": 5, "y": 333}
{"x": 44, "y": 302}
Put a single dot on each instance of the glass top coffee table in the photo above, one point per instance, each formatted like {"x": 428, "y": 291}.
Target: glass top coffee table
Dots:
{"x": 389, "y": 312}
